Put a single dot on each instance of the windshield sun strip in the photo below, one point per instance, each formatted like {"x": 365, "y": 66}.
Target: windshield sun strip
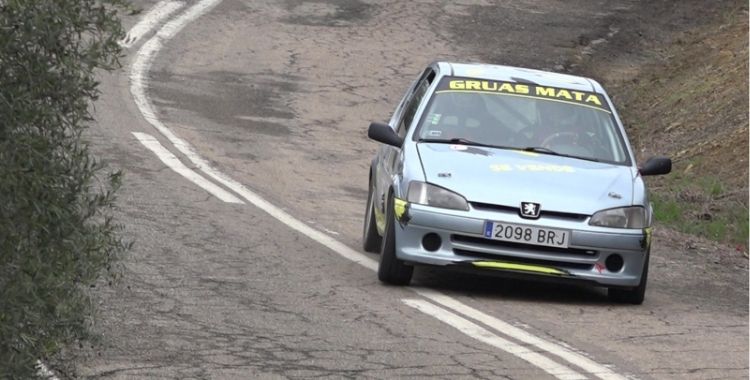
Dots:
{"x": 522, "y": 96}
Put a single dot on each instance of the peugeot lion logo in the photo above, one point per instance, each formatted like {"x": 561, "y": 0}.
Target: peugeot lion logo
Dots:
{"x": 530, "y": 210}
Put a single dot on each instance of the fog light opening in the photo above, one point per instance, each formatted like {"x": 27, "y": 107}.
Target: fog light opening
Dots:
{"x": 614, "y": 263}
{"x": 431, "y": 242}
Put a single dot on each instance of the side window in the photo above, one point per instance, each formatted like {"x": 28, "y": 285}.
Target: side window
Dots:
{"x": 413, "y": 103}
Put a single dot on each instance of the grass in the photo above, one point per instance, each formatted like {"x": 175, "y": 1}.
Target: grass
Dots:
{"x": 688, "y": 101}
{"x": 700, "y": 205}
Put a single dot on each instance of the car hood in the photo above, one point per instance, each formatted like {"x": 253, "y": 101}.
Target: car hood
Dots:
{"x": 509, "y": 177}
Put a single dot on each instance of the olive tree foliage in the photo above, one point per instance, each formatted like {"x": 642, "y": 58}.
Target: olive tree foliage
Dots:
{"x": 57, "y": 236}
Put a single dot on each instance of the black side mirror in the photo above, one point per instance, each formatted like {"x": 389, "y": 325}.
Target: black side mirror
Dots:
{"x": 385, "y": 134}
{"x": 656, "y": 166}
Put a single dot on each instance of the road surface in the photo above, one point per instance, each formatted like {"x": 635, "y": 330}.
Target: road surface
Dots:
{"x": 241, "y": 128}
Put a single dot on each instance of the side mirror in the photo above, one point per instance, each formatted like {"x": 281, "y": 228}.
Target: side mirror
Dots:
{"x": 656, "y": 166}
{"x": 385, "y": 134}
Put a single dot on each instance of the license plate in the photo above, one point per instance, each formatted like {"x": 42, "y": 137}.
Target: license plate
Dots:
{"x": 517, "y": 233}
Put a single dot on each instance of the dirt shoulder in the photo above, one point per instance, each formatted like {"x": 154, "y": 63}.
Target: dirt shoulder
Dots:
{"x": 678, "y": 73}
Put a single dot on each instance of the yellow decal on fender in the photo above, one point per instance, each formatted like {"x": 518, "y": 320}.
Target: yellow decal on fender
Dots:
{"x": 379, "y": 220}
{"x": 399, "y": 207}
{"x": 518, "y": 267}
{"x": 647, "y": 238}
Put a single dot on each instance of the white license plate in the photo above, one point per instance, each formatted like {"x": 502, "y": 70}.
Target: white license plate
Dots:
{"x": 517, "y": 233}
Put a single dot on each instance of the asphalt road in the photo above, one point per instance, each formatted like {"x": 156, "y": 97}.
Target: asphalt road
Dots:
{"x": 277, "y": 95}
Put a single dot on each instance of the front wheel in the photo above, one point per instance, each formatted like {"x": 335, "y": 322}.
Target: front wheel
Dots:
{"x": 391, "y": 270}
{"x": 635, "y": 295}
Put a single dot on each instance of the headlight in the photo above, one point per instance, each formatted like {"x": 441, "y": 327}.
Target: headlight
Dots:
{"x": 624, "y": 217}
{"x": 431, "y": 195}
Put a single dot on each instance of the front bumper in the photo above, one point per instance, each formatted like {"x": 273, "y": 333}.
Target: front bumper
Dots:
{"x": 463, "y": 243}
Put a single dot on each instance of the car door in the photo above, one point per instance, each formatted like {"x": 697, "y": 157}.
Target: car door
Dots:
{"x": 389, "y": 157}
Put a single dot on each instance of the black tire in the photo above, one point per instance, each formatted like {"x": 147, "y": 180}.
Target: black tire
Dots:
{"x": 391, "y": 270}
{"x": 371, "y": 240}
{"x": 635, "y": 295}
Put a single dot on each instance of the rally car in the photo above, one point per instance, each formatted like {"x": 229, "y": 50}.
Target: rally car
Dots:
{"x": 510, "y": 170}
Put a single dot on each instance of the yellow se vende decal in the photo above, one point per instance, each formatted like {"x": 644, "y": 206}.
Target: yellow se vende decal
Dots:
{"x": 498, "y": 168}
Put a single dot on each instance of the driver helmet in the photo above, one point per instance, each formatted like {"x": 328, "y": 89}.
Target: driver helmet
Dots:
{"x": 555, "y": 117}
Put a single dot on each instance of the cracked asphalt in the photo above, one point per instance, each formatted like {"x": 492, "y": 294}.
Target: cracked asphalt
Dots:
{"x": 278, "y": 95}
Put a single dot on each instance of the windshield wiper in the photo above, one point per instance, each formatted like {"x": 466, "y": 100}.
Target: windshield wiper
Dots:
{"x": 455, "y": 140}
{"x": 463, "y": 141}
{"x": 543, "y": 150}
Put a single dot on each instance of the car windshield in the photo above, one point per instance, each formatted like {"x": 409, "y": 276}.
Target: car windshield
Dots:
{"x": 511, "y": 115}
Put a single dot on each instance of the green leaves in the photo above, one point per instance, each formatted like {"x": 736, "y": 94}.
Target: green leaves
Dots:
{"x": 56, "y": 232}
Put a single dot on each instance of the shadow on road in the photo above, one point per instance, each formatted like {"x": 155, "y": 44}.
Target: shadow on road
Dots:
{"x": 497, "y": 287}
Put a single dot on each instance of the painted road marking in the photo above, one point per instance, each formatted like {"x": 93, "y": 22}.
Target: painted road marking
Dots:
{"x": 138, "y": 77}
{"x": 572, "y": 357}
{"x": 139, "y": 82}
{"x": 175, "y": 164}
{"x": 150, "y": 20}
{"x": 483, "y": 335}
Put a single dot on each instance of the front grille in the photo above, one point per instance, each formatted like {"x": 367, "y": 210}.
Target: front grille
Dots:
{"x": 522, "y": 260}
{"x": 493, "y": 207}
{"x": 515, "y": 210}
{"x": 520, "y": 246}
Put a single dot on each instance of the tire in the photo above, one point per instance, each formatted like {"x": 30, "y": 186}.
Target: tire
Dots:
{"x": 391, "y": 270}
{"x": 371, "y": 240}
{"x": 635, "y": 295}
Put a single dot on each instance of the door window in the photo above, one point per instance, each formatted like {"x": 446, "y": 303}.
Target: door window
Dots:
{"x": 413, "y": 103}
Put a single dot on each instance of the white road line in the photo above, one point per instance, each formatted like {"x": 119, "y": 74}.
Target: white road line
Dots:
{"x": 579, "y": 360}
{"x": 139, "y": 74}
{"x": 150, "y": 20}
{"x": 294, "y": 223}
{"x": 175, "y": 164}
{"x": 138, "y": 78}
{"x": 481, "y": 334}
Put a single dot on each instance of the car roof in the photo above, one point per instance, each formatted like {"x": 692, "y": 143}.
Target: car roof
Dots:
{"x": 518, "y": 74}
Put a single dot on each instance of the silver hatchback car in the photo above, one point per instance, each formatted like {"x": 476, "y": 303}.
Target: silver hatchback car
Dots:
{"x": 512, "y": 170}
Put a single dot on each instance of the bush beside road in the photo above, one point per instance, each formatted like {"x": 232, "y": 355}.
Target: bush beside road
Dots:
{"x": 57, "y": 236}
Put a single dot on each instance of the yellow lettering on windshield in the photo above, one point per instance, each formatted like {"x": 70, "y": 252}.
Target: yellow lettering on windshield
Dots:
{"x": 545, "y": 91}
{"x": 551, "y": 92}
{"x": 486, "y": 86}
{"x": 564, "y": 94}
{"x": 593, "y": 99}
{"x": 506, "y": 87}
{"x": 473, "y": 85}
{"x": 519, "y": 89}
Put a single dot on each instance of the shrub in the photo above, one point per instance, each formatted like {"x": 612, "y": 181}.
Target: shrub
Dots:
{"x": 57, "y": 236}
